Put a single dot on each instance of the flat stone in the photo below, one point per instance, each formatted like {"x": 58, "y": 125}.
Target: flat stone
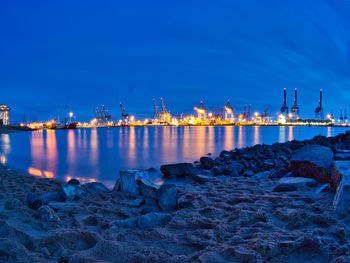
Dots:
{"x": 53, "y": 197}
{"x": 96, "y": 187}
{"x": 179, "y": 169}
{"x": 288, "y": 184}
{"x": 202, "y": 178}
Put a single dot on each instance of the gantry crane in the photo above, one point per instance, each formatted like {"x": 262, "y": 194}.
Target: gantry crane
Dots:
{"x": 319, "y": 108}
{"x": 201, "y": 111}
{"x": 284, "y": 108}
{"x": 229, "y": 116}
{"x": 295, "y": 108}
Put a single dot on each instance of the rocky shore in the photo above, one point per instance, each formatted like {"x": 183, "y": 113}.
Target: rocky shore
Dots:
{"x": 11, "y": 128}
{"x": 267, "y": 203}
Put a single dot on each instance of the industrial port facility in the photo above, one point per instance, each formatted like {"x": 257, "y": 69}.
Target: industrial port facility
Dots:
{"x": 201, "y": 116}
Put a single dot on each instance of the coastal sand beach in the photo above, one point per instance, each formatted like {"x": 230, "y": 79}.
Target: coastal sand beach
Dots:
{"x": 237, "y": 217}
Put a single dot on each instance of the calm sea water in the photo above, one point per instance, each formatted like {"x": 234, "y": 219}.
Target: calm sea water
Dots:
{"x": 99, "y": 154}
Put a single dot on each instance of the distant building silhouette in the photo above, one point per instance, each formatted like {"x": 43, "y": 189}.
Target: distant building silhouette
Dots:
{"x": 4, "y": 115}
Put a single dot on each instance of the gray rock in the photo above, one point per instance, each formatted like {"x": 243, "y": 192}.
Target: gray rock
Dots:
{"x": 288, "y": 184}
{"x": 96, "y": 188}
{"x": 73, "y": 181}
{"x": 136, "y": 203}
{"x": 53, "y": 197}
{"x": 207, "y": 162}
{"x": 46, "y": 214}
{"x": 73, "y": 192}
{"x": 248, "y": 173}
{"x": 233, "y": 167}
{"x": 148, "y": 189}
{"x": 226, "y": 154}
{"x": 218, "y": 170}
{"x": 167, "y": 197}
{"x": 153, "y": 219}
{"x": 179, "y": 169}
{"x": 268, "y": 164}
{"x": 202, "y": 178}
{"x": 341, "y": 199}
{"x": 130, "y": 222}
{"x": 313, "y": 161}
{"x": 126, "y": 182}
{"x": 262, "y": 175}
{"x": 33, "y": 201}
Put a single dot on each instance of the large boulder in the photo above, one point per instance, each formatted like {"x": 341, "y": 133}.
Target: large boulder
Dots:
{"x": 73, "y": 191}
{"x": 96, "y": 188}
{"x": 313, "y": 161}
{"x": 341, "y": 199}
{"x": 207, "y": 162}
{"x": 167, "y": 197}
{"x": 179, "y": 169}
{"x": 53, "y": 197}
{"x": 126, "y": 182}
{"x": 148, "y": 189}
{"x": 288, "y": 184}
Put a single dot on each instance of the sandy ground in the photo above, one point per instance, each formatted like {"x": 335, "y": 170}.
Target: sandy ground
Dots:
{"x": 222, "y": 220}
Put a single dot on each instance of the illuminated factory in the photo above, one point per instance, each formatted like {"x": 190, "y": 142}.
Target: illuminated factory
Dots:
{"x": 4, "y": 115}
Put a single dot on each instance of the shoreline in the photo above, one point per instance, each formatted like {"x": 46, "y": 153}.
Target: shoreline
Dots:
{"x": 246, "y": 205}
{"x": 11, "y": 129}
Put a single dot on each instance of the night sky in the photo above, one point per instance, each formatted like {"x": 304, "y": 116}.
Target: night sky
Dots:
{"x": 87, "y": 53}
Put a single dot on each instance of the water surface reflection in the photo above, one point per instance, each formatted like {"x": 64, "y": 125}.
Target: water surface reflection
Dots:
{"x": 98, "y": 154}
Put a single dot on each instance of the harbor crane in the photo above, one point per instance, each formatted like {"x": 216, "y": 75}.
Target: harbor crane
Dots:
{"x": 345, "y": 116}
{"x": 125, "y": 116}
{"x": 162, "y": 116}
{"x": 165, "y": 115}
{"x": 229, "y": 116}
{"x": 284, "y": 108}
{"x": 295, "y": 108}
{"x": 341, "y": 115}
{"x": 156, "y": 109}
{"x": 102, "y": 116}
{"x": 202, "y": 112}
{"x": 265, "y": 117}
{"x": 319, "y": 109}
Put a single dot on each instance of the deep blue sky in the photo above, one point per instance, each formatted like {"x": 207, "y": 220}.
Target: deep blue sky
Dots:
{"x": 86, "y": 53}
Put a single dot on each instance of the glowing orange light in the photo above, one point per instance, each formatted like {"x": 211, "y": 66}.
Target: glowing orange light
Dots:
{"x": 35, "y": 172}
{"x": 49, "y": 174}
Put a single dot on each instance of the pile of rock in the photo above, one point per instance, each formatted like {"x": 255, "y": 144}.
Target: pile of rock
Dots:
{"x": 134, "y": 182}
